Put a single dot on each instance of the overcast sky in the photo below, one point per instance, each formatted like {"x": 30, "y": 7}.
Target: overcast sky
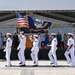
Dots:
{"x": 37, "y": 4}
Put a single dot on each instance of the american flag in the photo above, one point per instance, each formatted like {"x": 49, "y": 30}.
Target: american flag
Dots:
{"x": 22, "y": 21}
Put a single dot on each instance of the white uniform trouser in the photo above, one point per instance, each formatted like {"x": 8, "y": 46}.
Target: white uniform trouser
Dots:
{"x": 8, "y": 53}
{"x": 21, "y": 56}
{"x": 72, "y": 59}
{"x": 52, "y": 56}
{"x": 34, "y": 55}
{"x": 74, "y": 51}
{"x": 39, "y": 44}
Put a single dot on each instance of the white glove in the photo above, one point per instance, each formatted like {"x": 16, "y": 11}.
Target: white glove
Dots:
{"x": 4, "y": 50}
{"x": 18, "y": 48}
{"x": 48, "y": 45}
{"x": 31, "y": 49}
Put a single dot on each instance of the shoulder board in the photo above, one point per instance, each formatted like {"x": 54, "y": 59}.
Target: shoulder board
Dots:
{"x": 22, "y": 37}
{"x": 55, "y": 40}
{"x": 69, "y": 40}
{"x": 8, "y": 40}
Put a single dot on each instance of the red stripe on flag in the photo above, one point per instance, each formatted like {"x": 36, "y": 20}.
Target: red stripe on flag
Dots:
{"x": 22, "y": 22}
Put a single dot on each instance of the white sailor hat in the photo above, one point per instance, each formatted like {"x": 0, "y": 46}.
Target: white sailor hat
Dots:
{"x": 53, "y": 33}
{"x": 21, "y": 32}
{"x": 8, "y": 34}
{"x": 36, "y": 35}
{"x": 70, "y": 34}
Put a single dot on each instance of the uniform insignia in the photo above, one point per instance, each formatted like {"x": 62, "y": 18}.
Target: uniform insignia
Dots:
{"x": 8, "y": 40}
{"x": 55, "y": 40}
{"x": 69, "y": 41}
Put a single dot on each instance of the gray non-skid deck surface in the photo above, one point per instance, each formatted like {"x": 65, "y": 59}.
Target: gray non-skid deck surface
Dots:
{"x": 44, "y": 68}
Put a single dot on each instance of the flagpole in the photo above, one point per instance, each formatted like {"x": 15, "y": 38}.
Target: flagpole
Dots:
{"x": 26, "y": 13}
{"x": 17, "y": 28}
{"x": 26, "y": 16}
{"x": 16, "y": 21}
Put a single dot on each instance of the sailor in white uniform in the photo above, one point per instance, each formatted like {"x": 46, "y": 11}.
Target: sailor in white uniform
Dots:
{"x": 35, "y": 50}
{"x": 8, "y": 49}
{"x": 70, "y": 50}
{"x": 21, "y": 48}
{"x": 52, "y": 53}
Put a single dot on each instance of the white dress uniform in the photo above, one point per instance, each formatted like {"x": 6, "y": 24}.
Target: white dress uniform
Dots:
{"x": 19, "y": 54}
{"x": 52, "y": 53}
{"x": 21, "y": 49}
{"x": 8, "y": 51}
{"x": 34, "y": 51}
{"x": 71, "y": 52}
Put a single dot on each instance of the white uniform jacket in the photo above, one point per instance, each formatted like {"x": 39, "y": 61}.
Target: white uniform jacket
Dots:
{"x": 71, "y": 42}
{"x": 35, "y": 45}
{"x": 54, "y": 44}
{"x": 8, "y": 44}
{"x": 22, "y": 43}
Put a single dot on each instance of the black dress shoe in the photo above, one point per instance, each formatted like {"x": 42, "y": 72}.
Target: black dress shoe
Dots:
{"x": 34, "y": 62}
{"x": 35, "y": 65}
{"x": 7, "y": 66}
{"x": 54, "y": 66}
{"x": 51, "y": 63}
{"x": 22, "y": 65}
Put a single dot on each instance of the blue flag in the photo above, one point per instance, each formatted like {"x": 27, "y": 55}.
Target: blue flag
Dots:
{"x": 37, "y": 24}
{"x": 18, "y": 15}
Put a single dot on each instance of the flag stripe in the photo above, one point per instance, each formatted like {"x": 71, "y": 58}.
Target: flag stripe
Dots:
{"x": 21, "y": 21}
